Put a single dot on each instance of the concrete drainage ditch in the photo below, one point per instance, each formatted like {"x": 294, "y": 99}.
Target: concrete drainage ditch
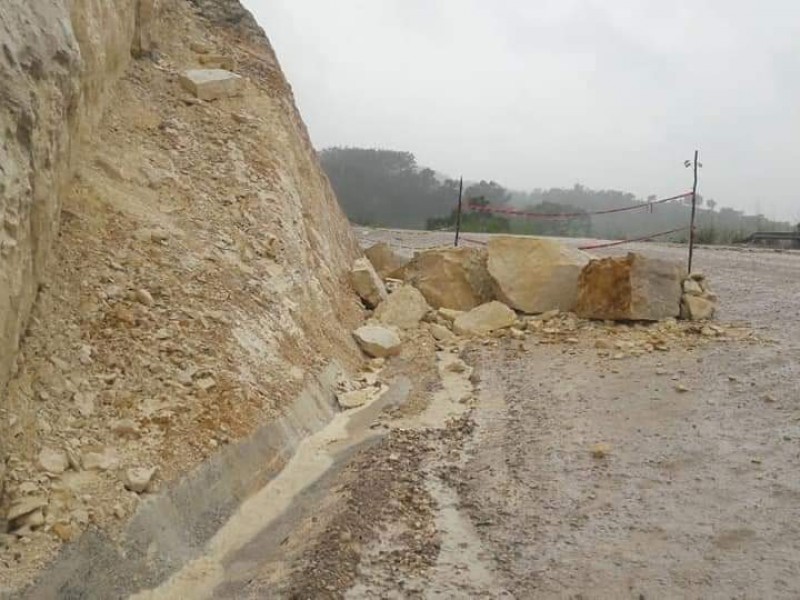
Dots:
{"x": 175, "y": 527}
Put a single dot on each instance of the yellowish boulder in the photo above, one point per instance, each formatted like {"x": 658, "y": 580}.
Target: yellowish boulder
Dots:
{"x": 404, "y": 308}
{"x": 454, "y": 278}
{"x": 366, "y": 283}
{"x": 535, "y": 275}
{"x": 630, "y": 288}
{"x": 385, "y": 260}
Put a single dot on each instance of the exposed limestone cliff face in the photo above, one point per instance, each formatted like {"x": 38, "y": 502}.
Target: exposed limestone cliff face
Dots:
{"x": 57, "y": 62}
{"x": 190, "y": 258}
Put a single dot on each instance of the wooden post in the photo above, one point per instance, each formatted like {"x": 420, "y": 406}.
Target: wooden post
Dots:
{"x": 694, "y": 211}
{"x": 458, "y": 215}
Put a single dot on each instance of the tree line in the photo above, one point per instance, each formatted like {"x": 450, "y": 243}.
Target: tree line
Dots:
{"x": 388, "y": 188}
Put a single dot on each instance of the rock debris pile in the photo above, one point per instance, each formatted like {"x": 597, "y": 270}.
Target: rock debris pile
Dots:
{"x": 521, "y": 286}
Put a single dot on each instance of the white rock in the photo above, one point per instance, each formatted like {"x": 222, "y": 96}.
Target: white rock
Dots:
{"x": 24, "y": 506}
{"x": 697, "y": 308}
{"x": 355, "y": 398}
{"x": 377, "y": 341}
{"x": 366, "y": 283}
{"x": 53, "y": 461}
{"x": 692, "y": 287}
{"x": 100, "y": 461}
{"x": 484, "y": 319}
{"x": 210, "y": 84}
{"x": 84, "y": 402}
{"x": 441, "y": 333}
{"x": 138, "y": 479}
{"x": 405, "y": 308}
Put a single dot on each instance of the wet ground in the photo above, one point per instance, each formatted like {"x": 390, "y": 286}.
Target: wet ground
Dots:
{"x": 554, "y": 470}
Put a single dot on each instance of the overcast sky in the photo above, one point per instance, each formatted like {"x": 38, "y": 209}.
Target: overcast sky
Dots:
{"x": 611, "y": 94}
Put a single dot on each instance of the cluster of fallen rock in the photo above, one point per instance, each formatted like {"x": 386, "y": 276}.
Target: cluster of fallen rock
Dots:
{"x": 477, "y": 291}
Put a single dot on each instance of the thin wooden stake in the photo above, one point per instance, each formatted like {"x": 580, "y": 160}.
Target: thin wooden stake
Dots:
{"x": 694, "y": 211}
{"x": 458, "y": 217}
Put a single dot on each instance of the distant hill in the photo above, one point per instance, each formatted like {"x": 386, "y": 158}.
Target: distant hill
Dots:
{"x": 388, "y": 188}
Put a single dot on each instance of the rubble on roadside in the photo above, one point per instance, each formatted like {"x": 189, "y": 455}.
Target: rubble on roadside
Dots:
{"x": 622, "y": 306}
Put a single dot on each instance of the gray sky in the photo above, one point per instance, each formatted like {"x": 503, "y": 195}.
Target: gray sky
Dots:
{"x": 554, "y": 92}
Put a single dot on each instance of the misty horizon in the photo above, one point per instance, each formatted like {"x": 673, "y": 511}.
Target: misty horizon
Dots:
{"x": 611, "y": 97}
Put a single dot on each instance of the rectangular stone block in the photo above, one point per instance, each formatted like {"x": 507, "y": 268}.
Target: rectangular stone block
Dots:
{"x": 210, "y": 84}
{"x": 630, "y": 288}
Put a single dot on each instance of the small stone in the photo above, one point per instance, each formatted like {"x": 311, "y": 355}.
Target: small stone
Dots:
{"x": 441, "y": 333}
{"x": 144, "y": 297}
{"x": 484, "y": 319}
{"x": 100, "y": 461}
{"x": 53, "y": 461}
{"x": 199, "y": 47}
{"x": 601, "y": 450}
{"x": 206, "y": 383}
{"x": 85, "y": 355}
{"x": 449, "y": 314}
{"x": 84, "y": 402}
{"x": 697, "y": 308}
{"x": 691, "y": 287}
{"x": 377, "y": 341}
{"x": 63, "y": 531}
{"x": 682, "y": 389}
{"x": 24, "y": 506}
{"x": 138, "y": 479}
{"x": 355, "y": 398}
{"x": 80, "y": 516}
{"x": 457, "y": 367}
{"x": 217, "y": 61}
{"x": 125, "y": 428}
{"x": 110, "y": 169}
{"x": 33, "y": 520}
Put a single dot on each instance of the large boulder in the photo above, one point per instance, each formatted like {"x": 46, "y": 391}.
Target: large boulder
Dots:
{"x": 404, "y": 308}
{"x": 485, "y": 319}
{"x": 535, "y": 275}
{"x": 630, "y": 288}
{"x": 377, "y": 341}
{"x": 384, "y": 259}
{"x": 453, "y": 278}
{"x": 366, "y": 283}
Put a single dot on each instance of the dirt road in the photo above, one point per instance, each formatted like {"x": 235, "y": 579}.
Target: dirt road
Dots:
{"x": 557, "y": 469}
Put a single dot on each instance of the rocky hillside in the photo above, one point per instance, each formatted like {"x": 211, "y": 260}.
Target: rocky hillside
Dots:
{"x": 172, "y": 269}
